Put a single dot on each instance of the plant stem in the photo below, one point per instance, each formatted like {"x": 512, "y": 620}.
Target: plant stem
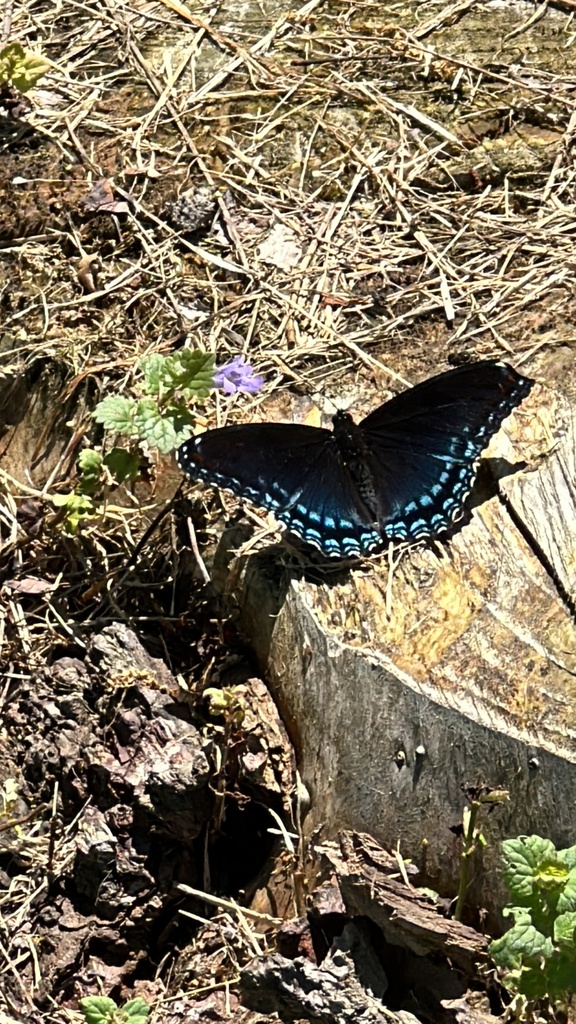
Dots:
{"x": 469, "y": 843}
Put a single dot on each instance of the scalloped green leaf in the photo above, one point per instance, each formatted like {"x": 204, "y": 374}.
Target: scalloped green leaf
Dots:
{"x": 521, "y": 944}
{"x": 561, "y": 975}
{"x": 533, "y": 983}
{"x": 551, "y": 877}
{"x": 136, "y": 1011}
{"x": 117, "y": 414}
{"x": 567, "y": 898}
{"x": 182, "y": 420}
{"x": 192, "y": 372}
{"x": 153, "y": 427}
{"x": 20, "y": 67}
{"x": 81, "y": 503}
{"x": 568, "y": 857}
{"x": 565, "y": 934}
{"x": 60, "y": 500}
{"x": 90, "y": 462}
{"x": 146, "y": 415}
{"x": 154, "y": 368}
{"x": 90, "y": 469}
{"x": 522, "y": 860}
{"x": 98, "y": 1009}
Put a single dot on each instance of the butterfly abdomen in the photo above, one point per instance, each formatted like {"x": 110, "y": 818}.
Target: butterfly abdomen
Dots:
{"x": 355, "y": 456}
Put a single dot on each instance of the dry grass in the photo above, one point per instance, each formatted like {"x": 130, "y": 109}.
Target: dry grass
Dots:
{"x": 395, "y": 189}
{"x": 390, "y": 191}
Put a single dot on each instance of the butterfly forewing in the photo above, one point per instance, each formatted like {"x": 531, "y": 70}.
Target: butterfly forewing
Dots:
{"x": 471, "y": 400}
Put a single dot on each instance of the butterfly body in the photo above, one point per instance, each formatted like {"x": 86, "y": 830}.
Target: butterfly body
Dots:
{"x": 403, "y": 473}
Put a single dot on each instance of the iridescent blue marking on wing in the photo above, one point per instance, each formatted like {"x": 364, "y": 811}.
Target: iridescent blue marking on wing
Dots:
{"x": 424, "y": 445}
{"x": 292, "y": 470}
{"x": 402, "y": 474}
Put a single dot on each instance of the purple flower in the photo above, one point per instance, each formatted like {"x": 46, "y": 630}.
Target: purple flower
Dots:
{"x": 237, "y": 375}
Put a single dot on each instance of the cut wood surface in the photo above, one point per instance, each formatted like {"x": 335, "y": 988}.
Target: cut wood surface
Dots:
{"x": 411, "y": 678}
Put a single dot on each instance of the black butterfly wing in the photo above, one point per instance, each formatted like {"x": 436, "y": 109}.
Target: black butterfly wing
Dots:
{"x": 293, "y": 470}
{"x": 423, "y": 445}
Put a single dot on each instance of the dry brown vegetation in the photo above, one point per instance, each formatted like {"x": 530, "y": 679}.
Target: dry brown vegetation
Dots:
{"x": 352, "y": 194}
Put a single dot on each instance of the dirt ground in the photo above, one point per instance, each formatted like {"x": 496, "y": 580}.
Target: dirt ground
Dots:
{"x": 354, "y": 196}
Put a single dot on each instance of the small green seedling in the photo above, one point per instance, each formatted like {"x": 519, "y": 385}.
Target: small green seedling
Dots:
{"x": 86, "y": 501}
{"x": 537, "y": 956}
{"x": 79, "y": 504}
{"x": 102, "y": 1010}
{"x": 162, "y": 416}
{"x": 20, "y": 68}
{"x": 229, "y": 702}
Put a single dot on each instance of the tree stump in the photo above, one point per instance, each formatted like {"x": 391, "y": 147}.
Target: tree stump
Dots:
{"x": 407, "y": 680}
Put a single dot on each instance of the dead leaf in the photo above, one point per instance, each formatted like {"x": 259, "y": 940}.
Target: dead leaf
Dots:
{"x": 281, "y": 248}
{"x": 87, "y": 273}
{"x": 30, "y": 585}
{"x": 100, "y": 199}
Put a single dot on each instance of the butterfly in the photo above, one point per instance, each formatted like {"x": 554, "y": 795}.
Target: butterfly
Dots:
{"x": 402, "y": 474}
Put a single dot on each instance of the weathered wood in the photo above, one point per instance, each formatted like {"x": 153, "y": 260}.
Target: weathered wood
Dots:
{"x": 401, "y": 689}
{"x": 405, "y": 917}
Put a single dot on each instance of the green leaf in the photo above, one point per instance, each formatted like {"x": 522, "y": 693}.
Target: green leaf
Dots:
{"x": 430, "y": 893}
{"x": 229, "y": 702}
{"x": 154, "y": 368}
{"x": 21, "y": 68}
{"x": 90, "y": 462}
{"x": 181, "y": 436}
{"x": 123, "y": 465}
{"x": 533, "y": 983}
{"x": 60, "y": 500}
{"x": 78, "y": 507}
{"x": 561, "y": 975}
{"x": 81, "y": 503}
{"x": 136, "y": 1011}
{"x": 192, "y": 372}
{"x": 146, "y": 415}
{"x": 182, "y": 420}
{"x": 522, "y": 859}
{"x": 567, "y": 898}
{"x": 153, "y": 427}
{"x": 568, "y": 857}
{"x": 522, "y": 943}
{"x": 98, "y": 1009}
{"x": 565, "y": 934}
{"x": 180, "y": 413}
{"x": 538, "y": 954}
{"x": 188, "y": 371}
{"x": 551, "y": 877}
{"x": 116, "y": 414}
{"x": 521, "y": 915}
{"x": 90, "y": 466}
